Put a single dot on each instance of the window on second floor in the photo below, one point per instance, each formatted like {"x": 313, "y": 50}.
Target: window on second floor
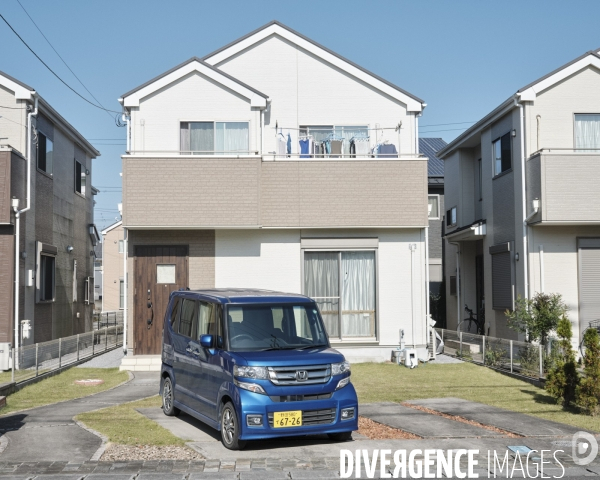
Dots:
{"x": 480, "y": 179}
{"x": 80, "y": 178}
{"x": 45, "y": 151}
{"x": 220, "y": 138}
{"x": 434, "y": 207}
{"x": 502, "y": 154}
{"x": 451, "y": 217}
{"x": 587, "y": 131}
{"x": 121, "y": 246}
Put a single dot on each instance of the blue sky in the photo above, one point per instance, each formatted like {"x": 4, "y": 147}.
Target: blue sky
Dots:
{"x": 462, "y": 57}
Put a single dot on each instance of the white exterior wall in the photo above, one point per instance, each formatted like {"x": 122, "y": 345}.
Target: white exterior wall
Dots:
{"x": 13, "y": 121}
{"x": 191, "y": 98}
{"x": 271, "y": 259}
{"x": 306, "y": 90}
{"x": 557, "y": 107}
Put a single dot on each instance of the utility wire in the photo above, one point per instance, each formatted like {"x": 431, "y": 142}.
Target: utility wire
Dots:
{"x": 447, "y": 130}
{"x": 53, "y": 72}
{"x": 442, "y": 124}
{"x": 63, "y": 60}
{"x": 12, "y": 108}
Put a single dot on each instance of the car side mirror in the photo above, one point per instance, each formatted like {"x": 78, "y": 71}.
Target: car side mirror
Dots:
{"x": 206, "y": 341}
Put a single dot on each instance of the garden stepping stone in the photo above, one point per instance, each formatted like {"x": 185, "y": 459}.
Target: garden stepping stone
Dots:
{"x": 514, "y": 422}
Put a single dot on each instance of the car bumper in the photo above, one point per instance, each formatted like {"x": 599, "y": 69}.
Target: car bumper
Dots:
{"x": 327, "y": 412}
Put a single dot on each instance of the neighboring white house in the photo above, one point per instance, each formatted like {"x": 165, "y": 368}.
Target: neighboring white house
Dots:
{"x": 275, "y": 163}
{"x": 523, "y": 204}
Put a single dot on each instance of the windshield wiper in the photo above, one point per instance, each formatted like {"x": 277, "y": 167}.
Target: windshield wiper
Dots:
{"x": 305, "y": 347}
{"x": 276, "y": 348}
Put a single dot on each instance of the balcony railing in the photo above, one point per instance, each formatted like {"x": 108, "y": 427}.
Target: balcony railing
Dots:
{"x": 272, "y": 156}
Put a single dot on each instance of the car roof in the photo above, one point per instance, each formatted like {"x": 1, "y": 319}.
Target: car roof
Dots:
{"x": 246, "y": 295}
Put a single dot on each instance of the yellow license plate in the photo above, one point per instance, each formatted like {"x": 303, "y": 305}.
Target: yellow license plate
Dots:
{"x": 287, "y": 419}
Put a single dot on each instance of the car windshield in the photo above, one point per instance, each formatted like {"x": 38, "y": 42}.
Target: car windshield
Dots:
{"x": 274, "y": 327}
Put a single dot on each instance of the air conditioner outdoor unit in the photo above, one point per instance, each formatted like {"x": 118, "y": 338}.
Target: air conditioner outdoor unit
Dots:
{"x": 5, "y": 363}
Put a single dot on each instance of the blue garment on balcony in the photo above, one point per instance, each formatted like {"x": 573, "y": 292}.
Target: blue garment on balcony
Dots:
{"x": 304, "y": 148}
{"x": 387, "y": 150}
{"x": 289, "y": 144}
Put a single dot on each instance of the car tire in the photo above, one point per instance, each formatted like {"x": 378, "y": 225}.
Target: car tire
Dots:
{"x": 168, "y": 397}
{"x": 340, "y": 437}
{"x": 230, "y": 428}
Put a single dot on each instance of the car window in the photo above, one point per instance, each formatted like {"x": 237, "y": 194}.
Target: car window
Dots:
{"x": 175, "y": 313}
{"x": 206, "y": 325}
{"x": 301, "y": 323}
{"x": 186, "y": 318}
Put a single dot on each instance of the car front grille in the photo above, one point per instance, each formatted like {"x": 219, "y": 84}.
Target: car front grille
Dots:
{"x": 308, "y": 375}
{"x": 299, "y": 398}
{"x": 314, "y": 417}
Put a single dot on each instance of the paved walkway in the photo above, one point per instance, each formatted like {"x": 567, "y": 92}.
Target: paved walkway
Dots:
{"x": 110, "y": 359}
{"x": 49, "y": 433}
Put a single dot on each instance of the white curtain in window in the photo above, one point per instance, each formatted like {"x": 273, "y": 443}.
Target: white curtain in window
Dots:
{"x": 587, "y": 131}
{"x": 202, "y": 137}
{"x": 358, "y": 294}
{"x": 232, "y": 137}
{"x": 321, "y": 282}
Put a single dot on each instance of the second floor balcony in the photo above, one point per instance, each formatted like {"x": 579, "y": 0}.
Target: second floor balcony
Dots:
{"x": 566, "y": 183}
{"x": 247, "y": 190}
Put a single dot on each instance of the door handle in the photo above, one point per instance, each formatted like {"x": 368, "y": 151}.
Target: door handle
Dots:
{"x": 192, "y": 351}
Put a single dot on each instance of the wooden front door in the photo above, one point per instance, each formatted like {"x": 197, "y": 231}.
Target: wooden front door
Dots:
{"x": 158, "y": 271}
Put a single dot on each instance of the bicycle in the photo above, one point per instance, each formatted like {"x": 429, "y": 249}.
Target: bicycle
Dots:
{"x": 593, "y": 324}
{"x": 471, "y": 324}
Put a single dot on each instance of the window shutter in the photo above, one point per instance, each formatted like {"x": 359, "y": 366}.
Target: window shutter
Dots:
{"x": 502, "y": 292}
{"x": 589, "y": 285}
{"x": 453, "y": 285}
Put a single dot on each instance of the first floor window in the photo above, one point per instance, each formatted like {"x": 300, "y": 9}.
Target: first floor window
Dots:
{"x": 121, "y": 293}
{"x": 451, "y": 217}
{"x": 47, "y": 275}
{"x": 220, "y": 138}
{"x": 343, "y": 285}
{"x": 502, "y": 154}
{"x": 45, "y": 150}
{"x": 121, "y": 246}
{"x": 587, "y": 131}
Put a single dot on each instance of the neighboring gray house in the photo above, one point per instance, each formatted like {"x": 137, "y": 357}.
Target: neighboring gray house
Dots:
{"x": 213, "y": 196}
{"x": 57, "y": 235}
{"x": 523, "y": 203}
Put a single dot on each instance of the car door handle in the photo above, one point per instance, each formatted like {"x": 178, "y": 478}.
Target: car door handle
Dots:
{"x": 192, "y": 351}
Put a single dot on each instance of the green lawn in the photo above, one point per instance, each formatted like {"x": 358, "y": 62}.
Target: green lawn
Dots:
{"x": 124, "y": 425}
{"x": 62, "y": 387}
{"x": 393, "y": 383}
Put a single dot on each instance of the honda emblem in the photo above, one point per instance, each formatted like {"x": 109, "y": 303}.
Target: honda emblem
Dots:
{"x": 302, "y": 375}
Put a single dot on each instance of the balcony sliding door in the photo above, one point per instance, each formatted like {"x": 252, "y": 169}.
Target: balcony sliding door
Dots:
{"x": 220, "y": 138}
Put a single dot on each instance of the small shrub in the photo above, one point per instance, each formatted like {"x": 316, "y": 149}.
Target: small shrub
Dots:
{"x": 494, "y": 354}
{"x": 529, "y": 360}
{"x": 563, "y": 378}
{"x": 588, "y": 391}
{"x": 537, "y": 317}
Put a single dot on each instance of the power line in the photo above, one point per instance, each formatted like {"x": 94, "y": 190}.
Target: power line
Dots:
{"x": 63, "y": 60}
{"x": 12, "y": 121}
{"x": 53, "y": 72}
{"x": 447, "y": 130}
{"x": 12, "y": 108}
{"x": 442, "y": 124}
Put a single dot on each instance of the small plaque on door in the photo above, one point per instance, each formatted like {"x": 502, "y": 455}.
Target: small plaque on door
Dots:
{"x": 165, "y": 273}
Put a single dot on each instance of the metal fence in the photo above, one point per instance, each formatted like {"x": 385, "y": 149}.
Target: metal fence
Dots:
{"x": 33, "y": 360}
{"x": 106, "y": 319}
{"x": 510, "y": 355}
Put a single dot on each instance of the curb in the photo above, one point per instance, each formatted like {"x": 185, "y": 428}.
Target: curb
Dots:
{"x": 98, "y": 453}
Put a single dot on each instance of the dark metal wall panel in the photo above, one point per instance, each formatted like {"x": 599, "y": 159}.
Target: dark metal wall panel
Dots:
{"x": 502, "y": 290}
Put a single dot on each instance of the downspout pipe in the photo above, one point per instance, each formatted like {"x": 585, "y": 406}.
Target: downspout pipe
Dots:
{"x": 524, "y": 201}
{"x": 126, "y": 118}
{"x": 125, "y": 290}
{"x": 18, "y": 213}
{"x": 458, "y": 282}
{"x": 427, "y": 312}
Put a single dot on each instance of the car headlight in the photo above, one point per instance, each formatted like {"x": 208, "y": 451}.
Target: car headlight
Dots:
{"x": 251, "y": 387}
{"x": 339, "y": 368}
{"x": 258, "y": 373}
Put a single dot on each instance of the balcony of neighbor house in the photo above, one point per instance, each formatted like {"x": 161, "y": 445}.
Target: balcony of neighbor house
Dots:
{"x": 323, "y": 183}
{"x": 566, "y": 183}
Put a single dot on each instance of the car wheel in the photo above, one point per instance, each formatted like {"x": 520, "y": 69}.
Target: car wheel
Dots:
{"x": 167, "y": 399}
{"x": 340, "y": 437}
{"x": 230, "y": 428}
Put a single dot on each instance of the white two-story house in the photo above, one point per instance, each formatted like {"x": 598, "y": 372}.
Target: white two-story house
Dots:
{"x": 275, "y": 163}
{"x": 522, "y": 201}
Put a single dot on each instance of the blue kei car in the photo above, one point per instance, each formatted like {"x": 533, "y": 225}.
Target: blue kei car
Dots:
{"x": 254, "y": 364}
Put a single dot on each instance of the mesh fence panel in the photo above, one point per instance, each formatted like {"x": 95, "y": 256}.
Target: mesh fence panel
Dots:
{"x": 25, "y": 366}
{"x": 526, "y": 359}
{"x": 86, "y": 345}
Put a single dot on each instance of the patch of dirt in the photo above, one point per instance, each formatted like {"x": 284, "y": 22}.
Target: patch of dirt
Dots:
{"x": 377, "y": 431}
{"x": 457, "y": 418}
{"x": 118, "y": 453}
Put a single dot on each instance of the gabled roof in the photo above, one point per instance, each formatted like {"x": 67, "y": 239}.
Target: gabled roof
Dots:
{"x": 413, "y": 103}
{"x": 133, "y": 97}
{"x": 429, "y": 147}
{"x": 112, "y": 227}
{"x": 526, "y": 94}
{"x": 25, "y": 92}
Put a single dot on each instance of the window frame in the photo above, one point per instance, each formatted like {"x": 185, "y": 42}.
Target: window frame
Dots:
{"x": 78, "y": 178}
{"x": 582, "y": 149}
{"x": 437, "y": 197}
{"x": 494, "y": 142}
{"x": 121, "y": 293}
{"x": 37, "y": 154}
{"x": 121, "y": 246}
{"x": 183, "y": 151}
{"x": 340, "y": 338}
{"x": 42, "y": 290}
{"x": 449, "y": 217}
